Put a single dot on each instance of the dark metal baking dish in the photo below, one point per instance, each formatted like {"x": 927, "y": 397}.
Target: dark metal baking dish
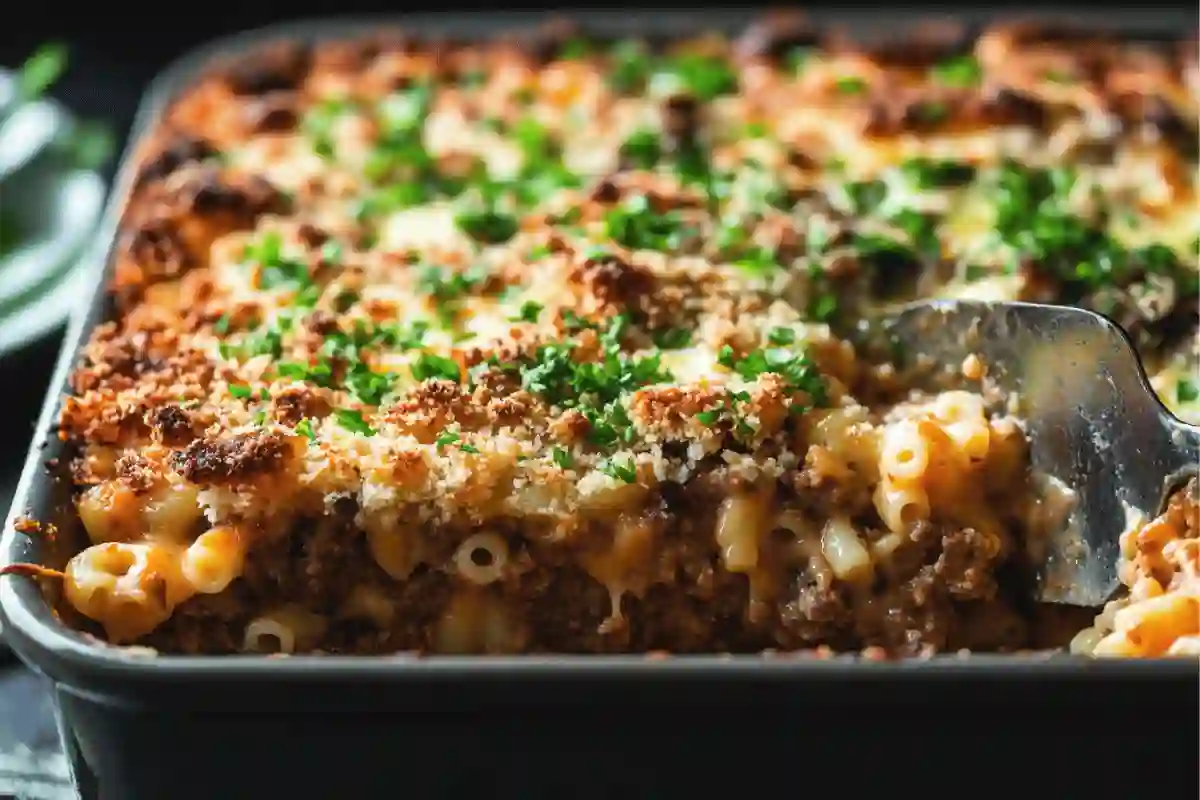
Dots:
{"x": 173, "y": 726}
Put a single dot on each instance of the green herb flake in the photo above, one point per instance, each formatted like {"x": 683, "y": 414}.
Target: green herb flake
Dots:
{"x": 958, "y": 72}
{"x": 672, "y": 338}
{"x": 276, "y": 270}
{"x": 529, "y": 312}
{"x": 629, "y": 67}
{"x": 575, "y": 49}
{"x": 304, "y": 428}
{"x": 823, "y": 306}
{"x": 851, "y": 85}
{"x": 636, "y": 225}
{"x": 319, "y": 123}
{"x": 626, "y": 472}
{"x": 452, "y": 437}
{"x": 331, "y": 253}
{"x": 756, "y": 130}
{"x": 927, "y": 173}
{"x": 781, "y": 336}
{"x": 798, "y": 58}
{"x": 481, "y": 218}
{"x": 705, "y": 77}
{"x": 562, "y": 458}
{"x": 429, "y": 366}
{"x": 353, "y": 421}
{"x": 240, "y": 391}
{"x": 975, "y": 272}
{"x": 642, "y": 150}
{"x": 795, "y": 368}
{"x": 1186, "y": 391}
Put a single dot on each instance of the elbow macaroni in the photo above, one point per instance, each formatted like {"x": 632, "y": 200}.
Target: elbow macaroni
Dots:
{"x": 1160, "y": 615}
{"x": 214, "y": 560}
{"x": 481, "y": 558}
{"x": 289, "y": 629}
{"x": 130, "y": 589}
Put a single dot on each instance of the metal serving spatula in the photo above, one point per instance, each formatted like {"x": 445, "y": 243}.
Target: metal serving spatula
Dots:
{"x": 1093, "y": 422}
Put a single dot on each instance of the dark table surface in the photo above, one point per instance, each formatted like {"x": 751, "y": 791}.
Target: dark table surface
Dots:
{"x": 113, "y": 56}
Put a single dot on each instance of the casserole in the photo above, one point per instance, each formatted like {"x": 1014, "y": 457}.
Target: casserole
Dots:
{"x": 95, "y": 686}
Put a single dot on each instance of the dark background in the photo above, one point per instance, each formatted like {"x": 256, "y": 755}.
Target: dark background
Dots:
{"x": 116, "y": 49}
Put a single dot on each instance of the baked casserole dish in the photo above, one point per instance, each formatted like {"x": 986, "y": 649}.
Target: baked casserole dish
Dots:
{"x": 554, "y": 345}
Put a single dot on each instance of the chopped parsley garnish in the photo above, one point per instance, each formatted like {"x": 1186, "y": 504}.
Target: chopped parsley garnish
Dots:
{"x": 626, "y": 472}
{"x": 781, "y": 337}
{"x": 594, "y": 388}
{"x": 637, "y": 226}
{"x": 448, "y": 289}
{"x": 1186, "y": 391}
{"x": 975, "y": 272}
{"x": 798, "y": 58}
{"x": 319, "y": 122}
{"x": 542, "y": 170}
{"x": 331, "y": 253}
{"x": 267, "y": 341}
{"x": 305, "y": 429}
{"x": 429, "y": 366}
{"x": 240, "y": 391}
{"x": 629, "y": 68}
{"x": 276, "y": 271}
{"x": 704, "y": 77}
{"x": 756, "y": 130}
{"x": 562, "y": 458}
{"x": 320, "y": 373}
{"x": 482, "y": 217}
{"x": 866, "y": 196}
{"x": 642, "y": 149}
{"x": 795, "y": 368}
{"x": 851, "y": 85}
{"x": 452, "y": 437}
{"x": 958, "y": 72}
{"x": 823, "y": 306}
{"x": 1032, "y": 217}
{"x": 353, "y": 421}
{"x": 575, "y": 48}
{"x": 708, "y": 417}
{"x": 929, "y": 112}
{"x": 932, "y": 174}
{"x": 575, "y": 323}
{"x": 672, "y": 338}
{"x": 472, "y": 79}
{"x": 529, "y": 312}
{"x": 921, "y": 230}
